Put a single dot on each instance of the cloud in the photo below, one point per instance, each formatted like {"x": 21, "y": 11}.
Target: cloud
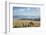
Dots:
{"x": 27, "y": 11}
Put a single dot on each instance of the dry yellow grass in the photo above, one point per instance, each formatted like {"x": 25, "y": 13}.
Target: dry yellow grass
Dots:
{"x": 26, "y": 23}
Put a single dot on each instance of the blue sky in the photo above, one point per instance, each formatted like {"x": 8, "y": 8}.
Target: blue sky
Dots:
{"x": 26, "y": 11}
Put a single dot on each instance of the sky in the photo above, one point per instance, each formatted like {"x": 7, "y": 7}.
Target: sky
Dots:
{"x": 26, "y": 11}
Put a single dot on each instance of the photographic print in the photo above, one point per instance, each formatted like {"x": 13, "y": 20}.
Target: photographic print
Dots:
{"x": 26, "y": 17}
{"x": 23, "y": 17}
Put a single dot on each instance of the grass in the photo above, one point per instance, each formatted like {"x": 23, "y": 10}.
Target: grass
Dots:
{"x": 25, "y": 23}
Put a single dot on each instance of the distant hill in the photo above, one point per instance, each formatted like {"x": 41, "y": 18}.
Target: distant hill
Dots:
{"x": 36, "y": 18}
